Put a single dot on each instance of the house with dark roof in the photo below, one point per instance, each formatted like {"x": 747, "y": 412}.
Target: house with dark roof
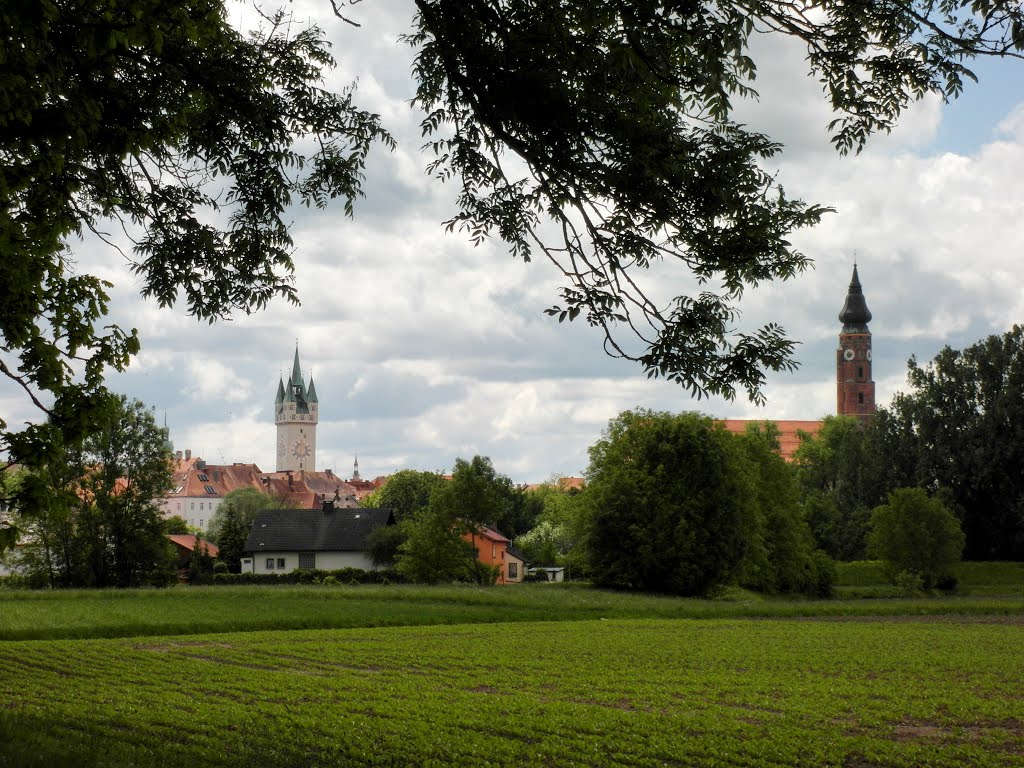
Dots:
{"x": 327, "y": 538}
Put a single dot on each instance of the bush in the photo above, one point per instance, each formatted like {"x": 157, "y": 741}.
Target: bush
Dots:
{"x": 340, "y": 576}
{"x": 916, "y": 534}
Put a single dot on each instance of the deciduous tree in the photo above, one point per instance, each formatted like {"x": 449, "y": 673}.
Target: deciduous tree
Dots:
{"x": 161, "y": 119}
{"x": 613, "y": 121}
{"x": 673, "y": 507}
{"x": 93, "y": 516}
{"x": 229, "y": 527}
{"x": 434, "y": 550}
{"x": 960, "y": 428}
{"x": 916, "y": 534}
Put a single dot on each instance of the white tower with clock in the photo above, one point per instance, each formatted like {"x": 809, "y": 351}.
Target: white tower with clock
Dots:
{"x": 296, "y": 412}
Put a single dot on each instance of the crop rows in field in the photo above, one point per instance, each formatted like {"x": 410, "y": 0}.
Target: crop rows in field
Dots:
{"x": 630, "y": 693}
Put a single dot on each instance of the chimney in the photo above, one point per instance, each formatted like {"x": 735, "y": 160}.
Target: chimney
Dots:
{"x": 328, "y": 473}
{"x": 177, "y": 455}
{"x": 216, "y": 475}
{"x": 328, "y": 506}
{"x": 290, "y": 483}
{"x": 200, "y": 464}
{"x": 188, "y": 454}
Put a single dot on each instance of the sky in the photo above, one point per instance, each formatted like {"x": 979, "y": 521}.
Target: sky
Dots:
{"x": 425, "y": 348}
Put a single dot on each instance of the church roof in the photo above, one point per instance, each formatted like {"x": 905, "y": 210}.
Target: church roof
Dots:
{"x": 855, "y": 314}
{"x": 789, "y": 432}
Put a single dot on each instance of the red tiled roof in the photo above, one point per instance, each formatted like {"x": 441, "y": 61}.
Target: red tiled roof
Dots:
{"x": 297, "y": 489}
{"x": 789, "y": 439}
{"x": 188, "y": 541}
{"x": 561, "y": 484}
{"x": 493, "y": 535}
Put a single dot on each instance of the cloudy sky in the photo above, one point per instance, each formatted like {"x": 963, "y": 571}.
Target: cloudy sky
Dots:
{"x": 425, "y": 348}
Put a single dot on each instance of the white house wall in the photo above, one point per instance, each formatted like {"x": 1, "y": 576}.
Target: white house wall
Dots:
{"x": 325, "y": 561}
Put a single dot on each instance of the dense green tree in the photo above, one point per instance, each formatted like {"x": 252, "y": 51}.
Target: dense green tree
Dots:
{"x": 94, "y": 517}
{"x": 916, "y": 534}
{"x": 382, "y": 545}
{"x": 842, "y": 475}
{"x": 673, "y": 504}
{"x": 176, "y": 524}
{"x": 405, "y": 492}
{"x": 960, "y": 429}
{"x": 613, "y": 119}
{"x": 229, "y": 527}
{"x": 782, "y": 557}
{"x": 560, "y": 530}
{"x": 434, "y": 550}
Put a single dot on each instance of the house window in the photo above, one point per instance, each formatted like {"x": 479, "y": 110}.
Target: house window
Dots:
{"x": 307, "y": 561}
{"x": 513, "y": 570}
{"x": 203, "y": 478}
{"x": 270, "y": 563}
{"x": 202, "y": 506}
{"x": 179, "y": 506}
{"x": 280, "y": 563}
{"x": 200, "y": 522}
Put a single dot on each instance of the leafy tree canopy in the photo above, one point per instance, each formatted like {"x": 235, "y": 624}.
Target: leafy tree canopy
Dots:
{"x": 434, "y": 550}
{"x": 842, "y": 475}
{"x": 92, "y": 516}
{"x": 156, "y": 117}
{"x": 612, "y": 120}
{"x": 959, "y": 429}
{"x": 229, "y": 527}
{"x": 915, "y": 534}
{"x": 673, "y": 507}
{"x": 405, "y": 492}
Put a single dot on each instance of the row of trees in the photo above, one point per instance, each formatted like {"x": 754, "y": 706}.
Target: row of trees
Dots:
{"x": 673, "y": 502}
{"x": 957, "y": 433}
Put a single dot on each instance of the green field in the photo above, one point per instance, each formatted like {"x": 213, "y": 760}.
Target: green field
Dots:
{"x": 547, "y": 676}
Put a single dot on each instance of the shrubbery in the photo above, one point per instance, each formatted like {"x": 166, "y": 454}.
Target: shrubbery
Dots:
{"x": 316, "y": 576}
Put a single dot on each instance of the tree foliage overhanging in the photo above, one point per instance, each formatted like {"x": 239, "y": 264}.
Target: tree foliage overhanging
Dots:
{"x": 157, "y": 116}
{"x": 621, "y": 114}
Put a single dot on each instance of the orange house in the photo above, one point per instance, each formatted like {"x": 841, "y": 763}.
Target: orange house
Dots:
{"x": 492, "y": 549}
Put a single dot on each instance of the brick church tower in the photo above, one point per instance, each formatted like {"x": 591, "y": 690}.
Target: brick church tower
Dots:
{"x": 855, "y": 389}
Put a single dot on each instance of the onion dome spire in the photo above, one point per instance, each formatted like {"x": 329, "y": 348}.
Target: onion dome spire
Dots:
{"x": 855, "y": 314}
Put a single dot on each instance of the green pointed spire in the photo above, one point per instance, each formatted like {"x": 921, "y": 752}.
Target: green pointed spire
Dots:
{"x": 296, "y": 370}
{"x": 311, "y": 393}
{"x": 280, "y": 392}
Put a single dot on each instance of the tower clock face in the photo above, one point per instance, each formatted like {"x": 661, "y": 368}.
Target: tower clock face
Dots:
{"x": 301, "y": 449}
{"x": 848, "y": 354}
{"x": 868, "y": 353}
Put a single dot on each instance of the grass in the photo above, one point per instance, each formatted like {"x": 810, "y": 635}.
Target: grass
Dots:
{"x": 552, "y": 675}
{"x": 183, "y": 610}
{"x": 865, "y": 578}
{"x": 633, "y": 692}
